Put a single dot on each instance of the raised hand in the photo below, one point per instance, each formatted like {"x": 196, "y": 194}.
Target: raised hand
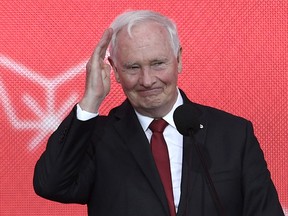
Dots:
{"x": 97, "y": 76}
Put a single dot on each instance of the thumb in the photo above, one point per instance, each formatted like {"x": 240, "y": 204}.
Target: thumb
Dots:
{"x": 106, "y": 71}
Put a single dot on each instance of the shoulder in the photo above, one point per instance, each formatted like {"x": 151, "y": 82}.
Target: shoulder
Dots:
{"x": 222, "y": 119}
{"x": 215, "y": 115}
{"x": 213, "y": 112}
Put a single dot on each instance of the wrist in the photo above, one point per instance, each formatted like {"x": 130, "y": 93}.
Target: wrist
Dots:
{"x": 89, "y": 105}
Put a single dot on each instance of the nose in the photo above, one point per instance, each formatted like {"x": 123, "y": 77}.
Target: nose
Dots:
{"x": 147, "y": 78}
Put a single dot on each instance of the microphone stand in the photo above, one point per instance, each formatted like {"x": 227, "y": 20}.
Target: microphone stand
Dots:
{"x": 211, "y": 186}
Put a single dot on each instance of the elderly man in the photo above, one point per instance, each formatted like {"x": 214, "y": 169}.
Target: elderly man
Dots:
{"x": 120, "y": 165}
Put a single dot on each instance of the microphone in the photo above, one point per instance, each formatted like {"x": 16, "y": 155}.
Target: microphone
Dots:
{"x": 186, "y": 118}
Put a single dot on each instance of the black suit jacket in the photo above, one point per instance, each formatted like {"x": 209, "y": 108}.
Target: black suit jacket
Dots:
{"x": 107, "y": 164}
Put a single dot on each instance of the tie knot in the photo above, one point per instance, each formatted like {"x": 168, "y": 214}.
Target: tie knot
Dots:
{"x": 158, "y": 125}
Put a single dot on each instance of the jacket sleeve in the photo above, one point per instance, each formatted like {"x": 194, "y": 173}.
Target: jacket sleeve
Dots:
{"x": 65, "y": 171}
{"x": 260, "y": 196}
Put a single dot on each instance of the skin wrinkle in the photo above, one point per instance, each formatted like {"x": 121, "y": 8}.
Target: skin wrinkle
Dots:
{"x": 147, "y": 68}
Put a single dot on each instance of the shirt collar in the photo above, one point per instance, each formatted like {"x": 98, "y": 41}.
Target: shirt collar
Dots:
{"x": 145, "y": 121}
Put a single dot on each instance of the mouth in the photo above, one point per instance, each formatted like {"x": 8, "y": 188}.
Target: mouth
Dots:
{"x": 150, "y": 92}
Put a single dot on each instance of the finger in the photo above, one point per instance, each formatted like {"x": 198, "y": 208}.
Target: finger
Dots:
{"x": 106, "y": 79}
{"x": 103, "y": 44}
{"x": 106, "y": 72}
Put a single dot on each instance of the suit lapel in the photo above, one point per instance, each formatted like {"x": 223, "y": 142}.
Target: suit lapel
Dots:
{"x": 130, "y": 130}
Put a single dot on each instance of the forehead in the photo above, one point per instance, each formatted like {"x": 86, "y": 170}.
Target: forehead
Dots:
{"x": 144, "y": 37}
{"x": 145, "y": 26}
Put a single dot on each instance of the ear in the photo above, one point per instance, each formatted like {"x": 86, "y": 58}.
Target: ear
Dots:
{"x": 179, "y": 59}
{"x": 114, "y": 69}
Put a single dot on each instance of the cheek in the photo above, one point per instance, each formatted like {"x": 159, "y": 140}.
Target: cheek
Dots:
{"x": 170, "y": 78}
{"x": 128, "y": 82}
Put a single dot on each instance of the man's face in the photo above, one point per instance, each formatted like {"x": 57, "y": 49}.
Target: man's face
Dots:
{"x": 147, "y": 69}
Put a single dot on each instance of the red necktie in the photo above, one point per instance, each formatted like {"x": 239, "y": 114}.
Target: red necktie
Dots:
{"x": 161, "y": 157}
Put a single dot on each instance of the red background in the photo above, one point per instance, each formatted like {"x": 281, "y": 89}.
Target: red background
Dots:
{"x": 235, "y": 58}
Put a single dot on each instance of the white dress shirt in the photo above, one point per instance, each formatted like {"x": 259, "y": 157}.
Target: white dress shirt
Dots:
{"x": 174, "y": 141}
{"x": 172, "y": 137}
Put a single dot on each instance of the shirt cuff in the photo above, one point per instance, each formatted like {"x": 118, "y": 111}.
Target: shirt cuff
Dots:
{"x": 84, "y": 115}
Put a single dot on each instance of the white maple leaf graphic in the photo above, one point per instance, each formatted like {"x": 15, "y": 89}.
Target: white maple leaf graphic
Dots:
{"x": 50, "y": 113}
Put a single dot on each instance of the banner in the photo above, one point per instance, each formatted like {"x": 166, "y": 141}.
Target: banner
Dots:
{"x": 235, "y": 58}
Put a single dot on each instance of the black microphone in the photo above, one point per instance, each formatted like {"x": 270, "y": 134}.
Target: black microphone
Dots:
{"x": 186, "y": 118}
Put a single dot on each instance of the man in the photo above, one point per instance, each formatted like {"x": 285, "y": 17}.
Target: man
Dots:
{"x": 106, "y": 161}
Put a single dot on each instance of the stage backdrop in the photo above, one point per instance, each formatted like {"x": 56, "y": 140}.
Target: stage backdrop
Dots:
{"x": 235, "y": 58}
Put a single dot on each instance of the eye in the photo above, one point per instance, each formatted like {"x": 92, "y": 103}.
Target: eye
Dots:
{"x": 158, "y": 65}
{"x": 131, "y": 66}
{"x": 132, "y": 69}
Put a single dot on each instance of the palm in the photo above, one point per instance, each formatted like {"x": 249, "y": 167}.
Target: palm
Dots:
{"x": 97, "y": 76}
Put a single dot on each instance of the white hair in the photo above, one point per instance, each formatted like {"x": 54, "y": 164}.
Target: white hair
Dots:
{"x": 131, "y": 18}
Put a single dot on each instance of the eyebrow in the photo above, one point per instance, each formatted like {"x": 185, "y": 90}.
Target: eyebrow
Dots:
{"x": 129, "y": 64}
{"x": 160, "y": 59}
